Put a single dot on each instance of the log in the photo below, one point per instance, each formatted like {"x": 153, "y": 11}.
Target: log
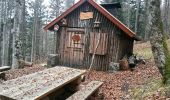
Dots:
{"x": 4, "y": 68}
{"x": 23, "y": 64}
{"x": 124, "y": 65}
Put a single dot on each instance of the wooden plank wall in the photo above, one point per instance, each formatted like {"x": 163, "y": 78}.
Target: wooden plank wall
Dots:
{"x": 118, "y": 44}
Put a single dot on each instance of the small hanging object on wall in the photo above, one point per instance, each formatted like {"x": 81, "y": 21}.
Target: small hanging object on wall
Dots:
{"x": 97, "y": 24}
{"x": 76, "y": 38}
{"x": 86, "y": 15}
{"x": 63, "y": 22}
{"x": 56, "y": 28}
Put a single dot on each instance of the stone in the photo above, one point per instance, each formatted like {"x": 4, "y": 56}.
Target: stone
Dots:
{"x": 113, "y": 67}
{"x": 53, "y": 60}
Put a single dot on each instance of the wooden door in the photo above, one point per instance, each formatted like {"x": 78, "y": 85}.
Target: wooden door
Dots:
{"x": 74, "y": 49}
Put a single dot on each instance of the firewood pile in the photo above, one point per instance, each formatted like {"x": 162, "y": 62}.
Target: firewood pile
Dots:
{"x": 131, "y": 62}
{"x": 117, "y": 85}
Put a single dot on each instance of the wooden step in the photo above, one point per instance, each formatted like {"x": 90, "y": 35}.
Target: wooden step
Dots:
{"x": 86, "y": 91}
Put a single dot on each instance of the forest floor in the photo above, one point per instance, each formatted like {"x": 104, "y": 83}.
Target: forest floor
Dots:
{"x": 144, "y": 83}
{"x": 141, "y": 84}
{"x": 124, "y": 85}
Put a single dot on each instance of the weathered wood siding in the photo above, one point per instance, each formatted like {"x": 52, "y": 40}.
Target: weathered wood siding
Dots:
{"x": 118, "y": 44}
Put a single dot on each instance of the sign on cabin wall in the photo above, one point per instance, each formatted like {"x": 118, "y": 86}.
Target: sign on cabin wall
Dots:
{"x": 56, "y": 27}
{"x": 102, "y": 47}
{"x": 86, "y": 15}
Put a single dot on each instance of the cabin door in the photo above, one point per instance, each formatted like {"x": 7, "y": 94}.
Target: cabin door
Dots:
{"x": 75, "y": 46}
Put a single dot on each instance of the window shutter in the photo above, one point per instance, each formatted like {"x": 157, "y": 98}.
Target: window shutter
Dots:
{"x": 102, "y": 47}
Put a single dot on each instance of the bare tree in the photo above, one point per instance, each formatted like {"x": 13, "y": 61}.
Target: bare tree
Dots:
{"x": 129, "y": 13}
{"x": 16, "y": 31}
{"x": 38, "y": 13}
{"x": 1, "y": 33}
{"x": 137, "y": 15}
{"x": 146, "y": 20}
{"x": 69, "y": 3}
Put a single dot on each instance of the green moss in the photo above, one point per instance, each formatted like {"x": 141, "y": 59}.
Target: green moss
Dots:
{"x": 167, "y": 61}
{"x": 167, "y": 69}
{"x": 166, "y": 75}
{"x": 148, "y": 89}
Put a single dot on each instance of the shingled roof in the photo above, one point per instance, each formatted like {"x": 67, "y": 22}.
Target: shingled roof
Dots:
{"x": 108, "y": 15}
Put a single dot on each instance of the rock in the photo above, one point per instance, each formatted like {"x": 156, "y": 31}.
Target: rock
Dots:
{"x": 132, "y": 62}
{"x": 53, "y": 60}
{"x": 113, "y": 67}
{"x": 125, "y": 87}
{"x": 140, "y": 60}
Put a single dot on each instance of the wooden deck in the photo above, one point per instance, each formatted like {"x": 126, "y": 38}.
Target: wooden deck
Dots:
{"x": 39, "y": 85}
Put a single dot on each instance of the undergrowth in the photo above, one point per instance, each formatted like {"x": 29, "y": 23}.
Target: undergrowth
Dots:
{"x": 167, "y": 62}
{"x": 149, "y": 89}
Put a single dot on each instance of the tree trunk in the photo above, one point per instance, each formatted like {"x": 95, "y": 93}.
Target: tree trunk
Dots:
{"x": 137, "y": 15}
{"x": 16, "y": 42}
{"x": 22, "y": 28}
{"x": 129, "y": 12}
{"x": 146, "y": 20}
{"x": 157, "y": 39}
{"x": 1, "y": 32}
{"x": 34, "y": 34}
{"x": 69, "y": 3}
{"x": 5, "y": 34}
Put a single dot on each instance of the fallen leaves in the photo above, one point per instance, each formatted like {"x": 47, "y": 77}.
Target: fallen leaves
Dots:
{"x": 12, "y": 74}
{"x": 117, "y": 85}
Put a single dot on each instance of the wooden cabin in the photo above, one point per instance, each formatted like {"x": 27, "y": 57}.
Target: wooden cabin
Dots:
{"x": 88, "y": 29}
